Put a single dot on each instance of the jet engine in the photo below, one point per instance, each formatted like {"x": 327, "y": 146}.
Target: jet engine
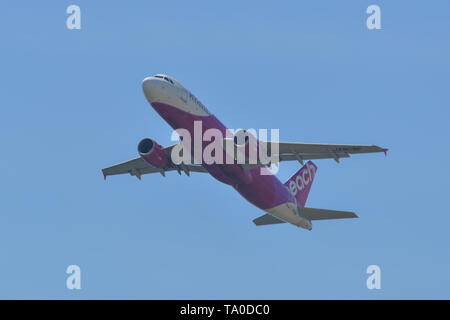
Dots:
{"x": 153, "y": 153}
{"x": 246, "y": 147}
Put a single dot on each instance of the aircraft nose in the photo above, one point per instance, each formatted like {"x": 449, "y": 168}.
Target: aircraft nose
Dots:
{"x": 152, "y": 88}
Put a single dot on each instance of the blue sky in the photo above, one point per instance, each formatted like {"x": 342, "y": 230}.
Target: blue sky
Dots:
{"x": 72, "y": 104}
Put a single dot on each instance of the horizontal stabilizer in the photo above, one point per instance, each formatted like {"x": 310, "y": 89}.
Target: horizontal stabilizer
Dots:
{"x": 323, "y": 214}
{"x": 267, "y": 219}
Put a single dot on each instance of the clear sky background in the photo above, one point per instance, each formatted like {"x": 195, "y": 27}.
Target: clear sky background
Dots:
{"x": 72, "y": 103}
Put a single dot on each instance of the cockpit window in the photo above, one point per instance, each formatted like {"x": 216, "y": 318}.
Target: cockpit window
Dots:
{"x": 167, "y": 79}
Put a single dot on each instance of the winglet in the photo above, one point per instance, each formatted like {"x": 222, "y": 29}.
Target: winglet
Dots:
{"x": 104, "y": 176}
{"x": 385, "y": 150}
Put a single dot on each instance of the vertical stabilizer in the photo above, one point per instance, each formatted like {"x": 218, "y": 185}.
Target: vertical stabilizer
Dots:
{"x": 300, "y": 183}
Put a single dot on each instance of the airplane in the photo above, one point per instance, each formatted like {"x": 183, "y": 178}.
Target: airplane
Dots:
{"x": 282, "y": 202}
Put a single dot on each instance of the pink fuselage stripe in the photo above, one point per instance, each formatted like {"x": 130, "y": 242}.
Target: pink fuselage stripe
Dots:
{"x": 264, "y": 191}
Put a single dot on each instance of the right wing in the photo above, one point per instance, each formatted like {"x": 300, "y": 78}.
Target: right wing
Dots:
{"x": 137, "y": 167}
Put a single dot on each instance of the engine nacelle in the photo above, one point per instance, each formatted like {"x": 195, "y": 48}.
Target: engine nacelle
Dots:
{"x": 242, "y": 138}
{"x": 246, "y": 147}
{"x": 153, "y": 153}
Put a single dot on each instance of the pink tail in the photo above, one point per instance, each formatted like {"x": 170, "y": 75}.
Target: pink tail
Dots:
{"x": 300, "y": 183}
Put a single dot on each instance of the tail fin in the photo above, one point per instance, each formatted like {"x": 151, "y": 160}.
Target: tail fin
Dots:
{"x": 300, "y": 183}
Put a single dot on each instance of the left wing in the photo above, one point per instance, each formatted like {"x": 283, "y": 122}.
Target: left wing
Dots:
{"x": 289, "y": 151}
{"x": 309, "y": 151}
